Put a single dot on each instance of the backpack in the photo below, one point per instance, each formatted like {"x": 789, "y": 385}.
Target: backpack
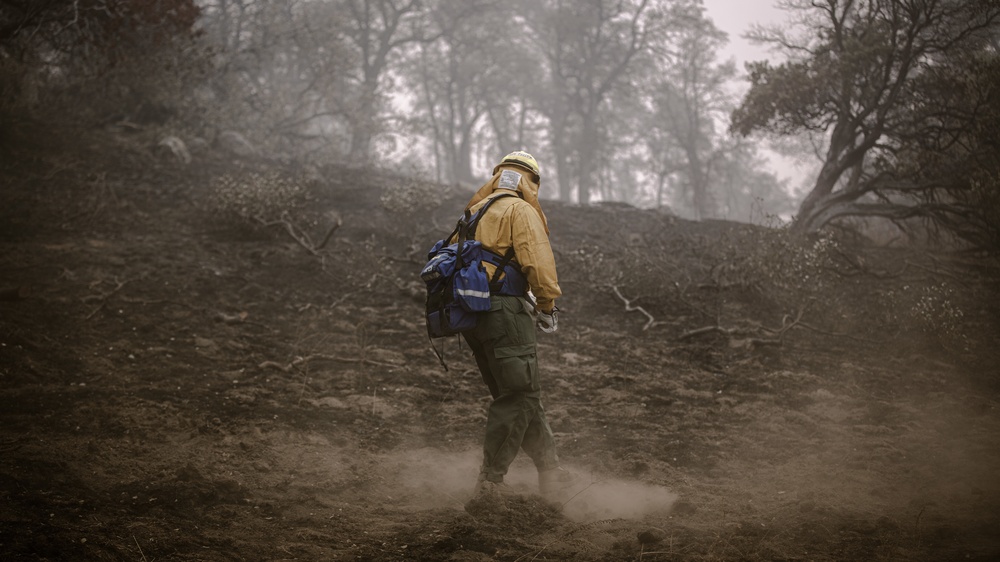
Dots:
{"x": 458, "y": 289}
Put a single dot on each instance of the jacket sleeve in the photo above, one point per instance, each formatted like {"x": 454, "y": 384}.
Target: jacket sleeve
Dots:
{"x": 534, "y": 254}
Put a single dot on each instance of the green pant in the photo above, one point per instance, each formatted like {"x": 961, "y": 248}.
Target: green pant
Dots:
{"x": 503, "y": 343}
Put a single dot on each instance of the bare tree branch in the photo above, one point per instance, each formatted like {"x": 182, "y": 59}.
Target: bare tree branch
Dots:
{"x": 650, "y": 323}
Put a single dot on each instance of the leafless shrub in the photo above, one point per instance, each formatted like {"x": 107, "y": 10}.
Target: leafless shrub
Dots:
{"x": 778, "y": 263}
{"x": 411, "y": 195}
{"x": 599, "y": 269}
{"x": 931, "y": 310}
{"x": 271, "y": 200}
{"x": 260, "y": 197}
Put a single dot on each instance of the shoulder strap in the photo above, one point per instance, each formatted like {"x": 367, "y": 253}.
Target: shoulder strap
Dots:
{"x": 463, "y": 230}
{"x": 482, "y": 211}
{"x": 466, "y": 230}
{"x": 470, "y": 221}
{"x": 507, "y": 256}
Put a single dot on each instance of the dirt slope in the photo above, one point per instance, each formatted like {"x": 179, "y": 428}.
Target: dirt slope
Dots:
{"x": 176, "y": 386}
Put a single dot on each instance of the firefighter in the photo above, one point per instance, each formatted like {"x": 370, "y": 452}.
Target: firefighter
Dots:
{"x": 503, "y": 341}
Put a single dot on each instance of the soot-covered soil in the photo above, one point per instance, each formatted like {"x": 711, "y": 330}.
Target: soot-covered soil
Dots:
{"x": 179, "y": 386}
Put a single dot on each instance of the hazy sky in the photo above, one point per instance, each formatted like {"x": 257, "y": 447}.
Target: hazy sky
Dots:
{"x": 735, "y": 17}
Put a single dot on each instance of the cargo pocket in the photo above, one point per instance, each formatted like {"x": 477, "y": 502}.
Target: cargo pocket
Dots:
{"x": 518, "y": 368}
{"x": 519, "y": 326}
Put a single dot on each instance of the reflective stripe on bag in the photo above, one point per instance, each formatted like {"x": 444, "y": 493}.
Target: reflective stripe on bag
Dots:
{"x": 472, "y": 293}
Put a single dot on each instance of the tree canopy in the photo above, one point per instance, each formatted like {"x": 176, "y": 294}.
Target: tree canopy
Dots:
{"x": 899, "y": 91}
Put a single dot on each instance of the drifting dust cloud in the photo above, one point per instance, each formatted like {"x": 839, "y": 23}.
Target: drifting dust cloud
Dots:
{"x": 430, "y": 479}
{"x": 619, "y": 499}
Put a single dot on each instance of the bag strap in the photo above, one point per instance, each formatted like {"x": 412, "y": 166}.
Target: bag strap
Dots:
{"x": 469, "y": 221}
{"x": 495, "y": 280}
{"x": 466, "y": 230}
{"x": 508, "y": 255}
{"x": 440, "y": 354}
{"x": 474, "y": 224}
{"x": 463, "y": 232}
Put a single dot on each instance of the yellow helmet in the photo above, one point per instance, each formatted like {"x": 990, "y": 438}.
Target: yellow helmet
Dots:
{"x": 521, "y": 159}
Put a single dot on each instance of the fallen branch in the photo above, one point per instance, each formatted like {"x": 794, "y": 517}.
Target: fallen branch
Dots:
{"x": 787, "y": 323}
{"x": 363, "y": 360}
{"x": 785, "y": 326}
{"x": 231, "y": 318}
{"x": 103, "y": 297}
{"x": 146, "y": 302}
{"x": 329, "y": 233}
{"x": 140, "y": 548}
{"x": 838, "y": 334}
{"x": 650, "y": 323}
{"x": 234, "y": 319}
{"x": 732, "y": 332}
{"x": 275, "y": 365}
{"x": 321, "y": 356}
{"x": 707, "y": 330}
{"x": 299, "y": 235}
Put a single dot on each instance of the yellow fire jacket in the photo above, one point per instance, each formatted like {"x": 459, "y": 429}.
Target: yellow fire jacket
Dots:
{"x": 518, "y": 222}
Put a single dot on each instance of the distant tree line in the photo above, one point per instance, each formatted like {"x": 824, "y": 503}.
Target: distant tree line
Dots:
{"x": 621, "y": 100}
